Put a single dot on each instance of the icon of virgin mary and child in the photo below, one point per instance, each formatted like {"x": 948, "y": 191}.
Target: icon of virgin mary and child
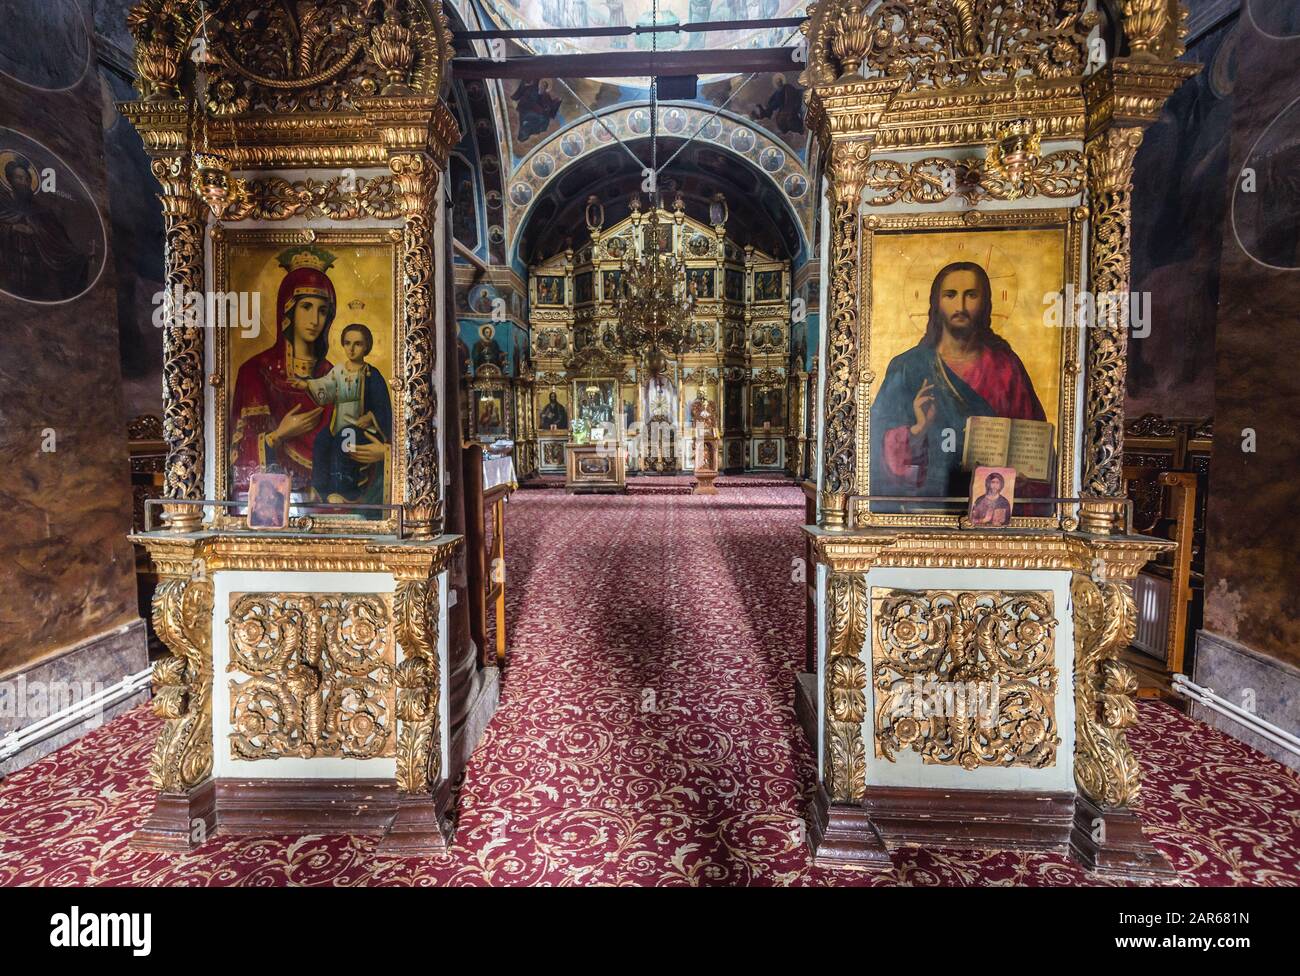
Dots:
{"x": 328, "y": 426}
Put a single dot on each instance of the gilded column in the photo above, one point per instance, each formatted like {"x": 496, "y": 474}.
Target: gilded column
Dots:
{"x": 180, "y": 766}
{"x": 844, "y": 114}
{"x": 162, "y": 31}
{"x": 416, "y": 177}
{"x": 1122, "y": 99}
{"x": 421, "y": 825}
{"x": 848, "y": 174}
{"x": 182, "y": 342}
{"x": 1109, "y": 156}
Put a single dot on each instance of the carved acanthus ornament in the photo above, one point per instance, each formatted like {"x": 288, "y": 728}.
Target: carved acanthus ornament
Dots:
{"x": 845, "y": 693}
{"x": 934, "y": 179}
{"x": 338, "y": 198}
{"x": 948, "y": 43}
{"x": 282, "y": 57}
{"x": 322, "y": 57}
{"x": 392, "y": 47}
{"x": 182, "y": 681}
{"x": 1105, "y": 620}
{"x": 162, "y": 31}
{"x": 1154, "y": 28}
{"x": 965, "y": 678}
{"x": 419, "y": 758}
{"x": 319, "y": 673}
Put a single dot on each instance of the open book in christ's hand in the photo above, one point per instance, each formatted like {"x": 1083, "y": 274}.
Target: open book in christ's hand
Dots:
{"x": 1025, "y": 445}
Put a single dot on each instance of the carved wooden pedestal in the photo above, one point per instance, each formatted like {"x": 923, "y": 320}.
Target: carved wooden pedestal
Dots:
{"x": 594, "y": 468}
{"x": 707, "y": 447}
{"x": 898, "y": 771}
{"x": 179, "y": 821}
{"x": 271, "y": 683}
{"x": 843, "y": 836}
{"x": 421, "y": 825}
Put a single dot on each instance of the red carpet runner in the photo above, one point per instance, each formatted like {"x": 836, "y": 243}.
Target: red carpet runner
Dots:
{"x": 646, "y": 737}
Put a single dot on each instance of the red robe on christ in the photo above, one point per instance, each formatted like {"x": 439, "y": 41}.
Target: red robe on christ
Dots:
{"x": 994, "y": 384}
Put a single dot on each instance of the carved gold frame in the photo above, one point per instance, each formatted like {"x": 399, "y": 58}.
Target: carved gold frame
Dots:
{"x": 1072, "y": 221}
{"x": 223, "y": 239}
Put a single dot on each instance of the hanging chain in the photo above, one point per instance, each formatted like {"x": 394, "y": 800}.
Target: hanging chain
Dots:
{"x": 654, "y": 112}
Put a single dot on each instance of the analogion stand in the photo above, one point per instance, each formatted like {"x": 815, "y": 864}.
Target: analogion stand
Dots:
{"x": 590, "y": 468}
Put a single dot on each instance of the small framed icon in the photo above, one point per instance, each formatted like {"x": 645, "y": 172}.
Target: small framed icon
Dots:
{"x": 992, "y": 495}
{"x": 268, "y": 500}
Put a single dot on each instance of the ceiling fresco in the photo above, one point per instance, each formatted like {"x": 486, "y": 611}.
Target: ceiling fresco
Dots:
{"x": 536, "y": 109}
{"x": 544, "y": 14}
{"x": 478, "y": 222}
{"x": 540, "y": 153}
{"x": 728, "y": 147}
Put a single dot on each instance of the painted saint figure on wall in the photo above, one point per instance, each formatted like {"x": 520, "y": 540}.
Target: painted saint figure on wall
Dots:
{"x": 536, "y": 106}
{"x": 960, "y": 368}
{"x": 38, "y": 259}
{"x": 487, "y": 351}
{"x": 784, "y": 107}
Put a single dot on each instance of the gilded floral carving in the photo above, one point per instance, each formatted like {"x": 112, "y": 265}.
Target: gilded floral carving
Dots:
{"x": 966, "y": 677}
{"x": 319, "y": 675}
{"x": 846, "y": 682}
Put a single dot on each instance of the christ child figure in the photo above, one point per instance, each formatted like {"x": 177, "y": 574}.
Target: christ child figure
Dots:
{"x": 346, "y": 468}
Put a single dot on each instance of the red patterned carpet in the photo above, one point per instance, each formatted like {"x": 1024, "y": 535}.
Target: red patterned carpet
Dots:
{"x": 646, "y": 737}
{"x": 671, "y": 484}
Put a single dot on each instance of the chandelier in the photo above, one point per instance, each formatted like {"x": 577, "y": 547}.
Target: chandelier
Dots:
{"x": 653, "y": 305}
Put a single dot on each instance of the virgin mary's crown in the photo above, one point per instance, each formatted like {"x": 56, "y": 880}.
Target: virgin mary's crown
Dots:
{"x": 306, "y": 257}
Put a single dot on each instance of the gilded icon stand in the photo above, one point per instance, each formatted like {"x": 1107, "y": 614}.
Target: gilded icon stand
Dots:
{"x": 968, "y": 689}
{"x": 306, "y": 685}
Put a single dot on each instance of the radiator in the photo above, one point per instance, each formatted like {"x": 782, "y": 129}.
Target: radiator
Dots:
{"x": 1151, "y": 594}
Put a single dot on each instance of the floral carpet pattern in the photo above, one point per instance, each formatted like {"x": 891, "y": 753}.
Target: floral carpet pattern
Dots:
{"x": 670, "y": 484}
{"x": 646, "y": 736}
